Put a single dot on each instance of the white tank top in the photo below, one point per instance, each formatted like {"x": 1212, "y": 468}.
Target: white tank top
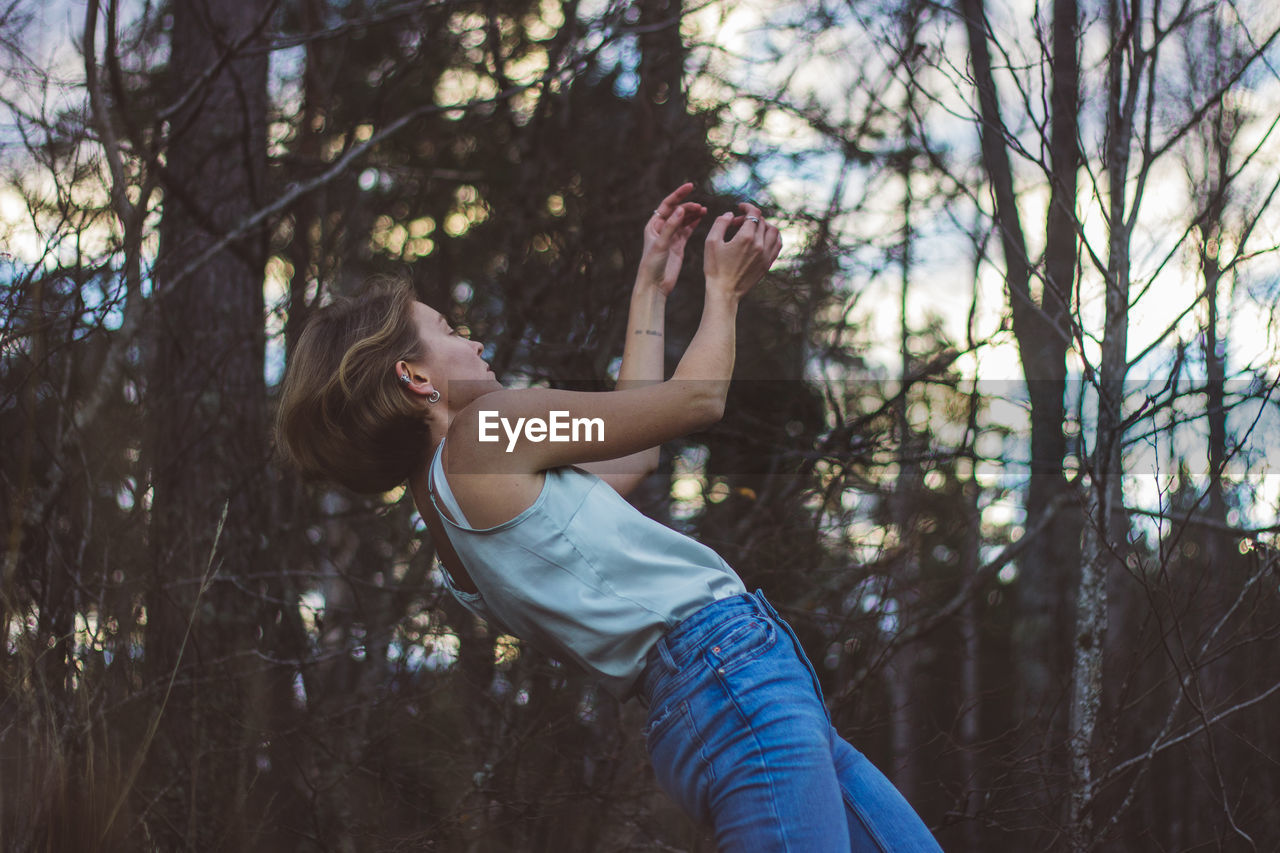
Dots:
{"x": 581, "y": 574}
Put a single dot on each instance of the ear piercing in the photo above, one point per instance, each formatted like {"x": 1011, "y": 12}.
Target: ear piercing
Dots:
{"x": 433, "y": 397}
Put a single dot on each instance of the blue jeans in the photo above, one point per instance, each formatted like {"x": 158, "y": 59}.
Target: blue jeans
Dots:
{"x": 740, "y": 738}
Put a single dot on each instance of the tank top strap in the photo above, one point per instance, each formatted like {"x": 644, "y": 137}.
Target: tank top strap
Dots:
{"x": 436, "y": 478}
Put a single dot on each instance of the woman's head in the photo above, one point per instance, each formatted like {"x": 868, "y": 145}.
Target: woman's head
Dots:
{"x": 343, "y": 414}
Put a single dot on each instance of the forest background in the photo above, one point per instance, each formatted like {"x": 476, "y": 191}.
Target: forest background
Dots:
{"x": 1001, "y": 445}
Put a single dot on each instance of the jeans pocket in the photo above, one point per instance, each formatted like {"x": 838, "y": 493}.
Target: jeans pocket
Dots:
{"x": 799, "y": 649}
{"x": 743, "y": 641}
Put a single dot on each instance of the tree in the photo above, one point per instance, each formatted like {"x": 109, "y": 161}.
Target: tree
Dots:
{"x": 1044, "y": 334}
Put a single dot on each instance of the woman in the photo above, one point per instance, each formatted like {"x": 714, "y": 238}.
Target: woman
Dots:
{"x": 535, "y": 535}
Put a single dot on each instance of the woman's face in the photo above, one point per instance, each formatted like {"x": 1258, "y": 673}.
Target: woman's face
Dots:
{"x": 454, "y": 364}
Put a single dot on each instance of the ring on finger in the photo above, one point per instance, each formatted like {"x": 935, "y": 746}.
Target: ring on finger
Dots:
{"x": 754, "y": 219}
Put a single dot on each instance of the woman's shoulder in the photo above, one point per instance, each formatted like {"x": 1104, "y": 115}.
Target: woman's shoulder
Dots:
{"x": 476, "y": 442}
{"x": 489, "y": 490}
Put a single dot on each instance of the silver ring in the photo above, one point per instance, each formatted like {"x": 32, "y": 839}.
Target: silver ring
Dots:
{"x": 753, "y": 219}
{"x": 656, "y": 213}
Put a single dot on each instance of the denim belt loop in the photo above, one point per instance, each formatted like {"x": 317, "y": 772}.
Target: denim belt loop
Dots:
{"x": 658, "y": 657}
{"x": 664, "y": 652}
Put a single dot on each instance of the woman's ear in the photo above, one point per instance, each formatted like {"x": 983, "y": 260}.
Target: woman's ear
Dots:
{"x": 408, "y": 377}
{"x": 415, "y": 383}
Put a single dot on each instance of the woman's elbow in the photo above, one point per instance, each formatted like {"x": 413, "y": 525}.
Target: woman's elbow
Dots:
{"x": 709, "y": 411}
{"x": 698, "y": 404}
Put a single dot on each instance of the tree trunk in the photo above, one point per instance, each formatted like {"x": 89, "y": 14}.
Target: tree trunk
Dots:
{"x": 1042, "y": 330}
{"x": 207, "y": 404}
{"x": 904, "y": 666}
{"x": 970, "y": 722}
{"x": 1218, "y": 174}
{"x": 1044, "y": 338}
{"x": 1105, "y": 529}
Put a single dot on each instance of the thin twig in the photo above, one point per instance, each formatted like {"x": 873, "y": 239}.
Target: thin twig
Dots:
{"x": 149, "y": 737}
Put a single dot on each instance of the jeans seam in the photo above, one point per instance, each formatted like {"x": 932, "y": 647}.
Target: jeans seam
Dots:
{"x": 755, "y": 739}
{"x": 868, "y": 825}
{"x": 702, "y": 745}
{"x": 799, "y": 649}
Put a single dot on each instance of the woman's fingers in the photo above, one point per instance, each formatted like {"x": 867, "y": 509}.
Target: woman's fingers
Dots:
{"x": 755, "y": 243}
{"x": 669, "y": 204}
{"x": 671, "y": 225}
{"x": 752, "y": 225}
{"x": 680, "y": 224}
{"x": 750, "y": 219}
{"x": 751, "y": 228}
{"x": 719, "y": 227}
{"x": 773, "y": 243}
{"x": 689, "y": 223}
{"x": 692, "y": 211}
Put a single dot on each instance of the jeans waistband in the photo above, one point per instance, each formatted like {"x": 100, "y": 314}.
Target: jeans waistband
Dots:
{"x": 684, "y": 641}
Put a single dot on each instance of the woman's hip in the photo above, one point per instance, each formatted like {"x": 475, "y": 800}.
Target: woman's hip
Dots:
{"x": 737, "y": 730}
{"x": 736, "y": 649}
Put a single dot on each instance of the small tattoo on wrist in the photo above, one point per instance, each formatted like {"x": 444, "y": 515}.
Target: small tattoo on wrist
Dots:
{"x": 653, "y": 332}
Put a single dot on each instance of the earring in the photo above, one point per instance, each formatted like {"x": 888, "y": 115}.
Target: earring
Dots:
{"x": 404, "y": 377}
{"x": 433, "y": 397}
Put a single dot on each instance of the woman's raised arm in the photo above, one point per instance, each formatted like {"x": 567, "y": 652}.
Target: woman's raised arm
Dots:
{"x": 643, "y": 354}
{"x": 538, "y": 428}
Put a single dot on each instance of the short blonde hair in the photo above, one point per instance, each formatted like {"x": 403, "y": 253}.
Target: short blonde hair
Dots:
{"x": 343, "y": 415}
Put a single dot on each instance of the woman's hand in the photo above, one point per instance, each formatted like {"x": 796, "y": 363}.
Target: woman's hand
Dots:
{"x": 665, "y": 236}
{"x": 734, "y": 266}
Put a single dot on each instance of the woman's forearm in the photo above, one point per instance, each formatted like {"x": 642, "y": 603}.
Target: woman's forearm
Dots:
{"x": 708, "y": 361}
{"x": 644, "y": 356}
{"x": 643, "y": 352}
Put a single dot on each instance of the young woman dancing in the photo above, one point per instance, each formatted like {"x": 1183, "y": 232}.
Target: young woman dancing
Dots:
{"x": 535, "y": 535}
